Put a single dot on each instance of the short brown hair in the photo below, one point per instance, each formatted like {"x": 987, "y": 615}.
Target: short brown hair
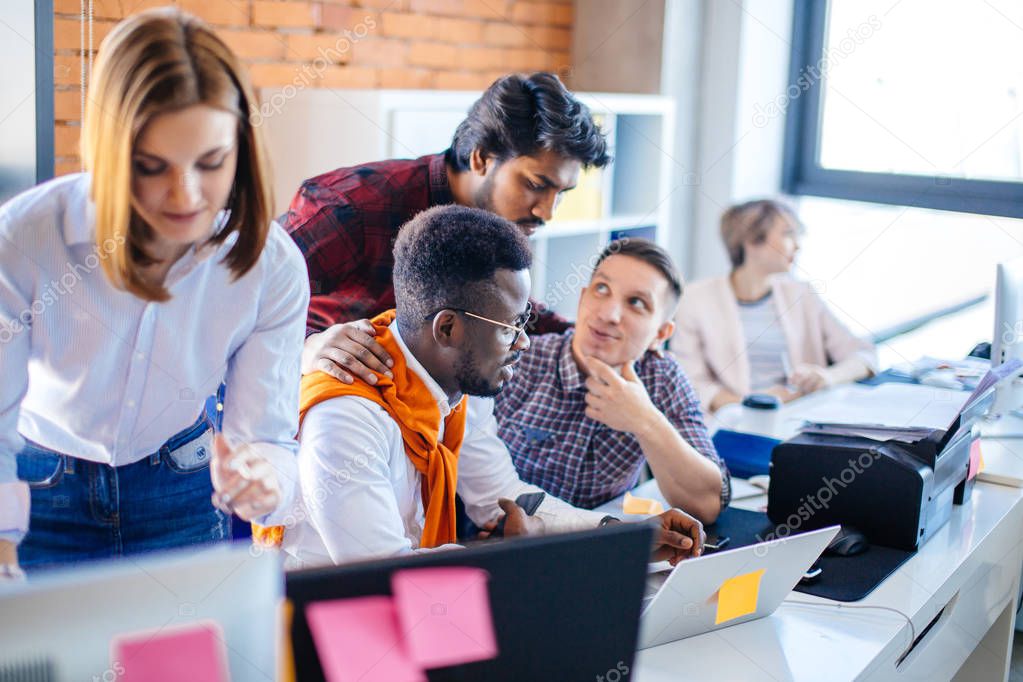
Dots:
{"x": 651, "y": 254}
{"x": 157, "y": 61}
{"x": 750, "y": 222}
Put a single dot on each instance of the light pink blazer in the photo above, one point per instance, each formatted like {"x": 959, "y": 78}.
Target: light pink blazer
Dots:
{"x": 710, "y": 344}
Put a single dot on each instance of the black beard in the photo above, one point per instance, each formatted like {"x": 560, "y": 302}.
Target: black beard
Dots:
{"x": 484, "y": 196}
{"x": 469, "y": 379}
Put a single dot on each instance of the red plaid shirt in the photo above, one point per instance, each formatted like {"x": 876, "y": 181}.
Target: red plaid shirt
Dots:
{"x": 345, "y": 223}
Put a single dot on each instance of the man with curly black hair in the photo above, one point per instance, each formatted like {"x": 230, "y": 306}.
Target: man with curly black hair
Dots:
{"x": 380, "y": 463}
{"x": 520, "y": 147}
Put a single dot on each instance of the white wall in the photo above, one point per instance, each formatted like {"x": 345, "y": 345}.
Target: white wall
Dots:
{"x": 740, "y": 53}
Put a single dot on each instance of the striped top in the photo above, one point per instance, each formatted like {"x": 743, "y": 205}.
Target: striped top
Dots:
{"x": 765, "y": 343}
{"x": 100, "y": 374}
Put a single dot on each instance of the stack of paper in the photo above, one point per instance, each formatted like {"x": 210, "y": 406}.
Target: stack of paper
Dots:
{"x": 875, "y": 432}
{"x": 902, "y": 405}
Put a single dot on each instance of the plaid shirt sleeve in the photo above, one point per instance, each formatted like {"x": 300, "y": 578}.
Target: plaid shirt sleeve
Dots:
{"x": 677, "y": 400}
{"x": 345, "y": 221}
{"x": 332, "y": 240}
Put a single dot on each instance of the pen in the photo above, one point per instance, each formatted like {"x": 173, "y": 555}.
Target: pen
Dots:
{"x": 714, "y": 546}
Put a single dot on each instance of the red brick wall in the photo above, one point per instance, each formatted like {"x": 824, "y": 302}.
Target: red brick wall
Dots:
{"x": 441, "y": 44}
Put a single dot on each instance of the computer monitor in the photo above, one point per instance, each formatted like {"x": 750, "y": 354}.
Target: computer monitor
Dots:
{"x": 1007, "y": 342}
{"x": 1003, "y": 419}
{"x": 63, "y": 621}
{"x": 564, "y": 607}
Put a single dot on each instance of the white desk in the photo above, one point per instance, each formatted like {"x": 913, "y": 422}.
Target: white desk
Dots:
{"x": 970, "y": 568}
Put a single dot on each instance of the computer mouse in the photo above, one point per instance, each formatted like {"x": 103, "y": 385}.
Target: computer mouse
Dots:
{"x": 848, "y": 542}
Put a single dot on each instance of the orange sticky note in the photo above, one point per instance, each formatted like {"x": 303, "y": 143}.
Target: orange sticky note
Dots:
{"x": 738, "y": 596}
{"x": 976, "y": 459}
{"x": 641, "y": 505}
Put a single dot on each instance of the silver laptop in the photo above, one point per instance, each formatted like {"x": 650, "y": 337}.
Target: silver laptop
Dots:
{"x": 684, "y": 601}
{"x": 59, "y": 625}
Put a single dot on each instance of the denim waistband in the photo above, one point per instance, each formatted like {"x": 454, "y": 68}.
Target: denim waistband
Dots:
{"x": 211, "y": 417}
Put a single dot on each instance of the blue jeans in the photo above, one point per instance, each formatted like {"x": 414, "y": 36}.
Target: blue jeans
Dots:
{"x": 82, "y": 510}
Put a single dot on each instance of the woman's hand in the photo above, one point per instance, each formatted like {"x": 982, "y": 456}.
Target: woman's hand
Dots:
{"x": 9, "y": 569}
{"x": 809, "y": 378}
{"x": 244, "y": 482}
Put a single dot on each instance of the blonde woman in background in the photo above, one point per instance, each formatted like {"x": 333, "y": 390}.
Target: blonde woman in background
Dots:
{"x": 758, "y": 330}
{"x": 128, "y": 293}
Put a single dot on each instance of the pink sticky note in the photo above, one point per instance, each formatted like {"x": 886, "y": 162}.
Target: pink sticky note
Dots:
{"x": 359, "y": 639}
{"x": 445, "y": 615}
{"x": 194, "y": 652}
{"x": 975, "y": 459}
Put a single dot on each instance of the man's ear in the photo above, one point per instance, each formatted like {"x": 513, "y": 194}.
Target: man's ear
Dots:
{"x": 447, "y": 329}
{"x": 664, "y": 333}
{"x": 478, "y": 162}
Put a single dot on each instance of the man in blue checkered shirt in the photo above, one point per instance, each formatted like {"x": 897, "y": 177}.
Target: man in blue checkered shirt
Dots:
{"x": 587, "y": 407}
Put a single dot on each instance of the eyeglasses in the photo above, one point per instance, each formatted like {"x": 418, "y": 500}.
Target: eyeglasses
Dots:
{"x": 519, "y": 330}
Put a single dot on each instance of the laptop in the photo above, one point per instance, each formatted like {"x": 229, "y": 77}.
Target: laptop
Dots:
{"x": 61, "y": 623}
{"x": 684, "y": 601}
{"x": 564, "y": 607}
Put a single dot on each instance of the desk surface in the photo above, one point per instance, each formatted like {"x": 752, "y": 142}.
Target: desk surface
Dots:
{"x": 976, "y": 555}
{"x": 801, "y": 642}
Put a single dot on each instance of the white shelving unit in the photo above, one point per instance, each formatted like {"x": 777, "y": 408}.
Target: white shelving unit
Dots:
{"x": 313, "y": 131}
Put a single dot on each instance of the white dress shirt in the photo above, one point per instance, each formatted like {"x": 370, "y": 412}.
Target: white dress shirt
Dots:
{"x": 102, "y": 375}
{"x": 361, "y": 495}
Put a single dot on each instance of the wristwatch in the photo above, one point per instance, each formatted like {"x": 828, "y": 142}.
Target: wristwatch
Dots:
{"x": 607, "y": 520}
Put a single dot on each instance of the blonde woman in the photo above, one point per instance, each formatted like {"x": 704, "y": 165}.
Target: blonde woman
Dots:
{"x": 758, "y": 330}
{"x": 128, "y": 293}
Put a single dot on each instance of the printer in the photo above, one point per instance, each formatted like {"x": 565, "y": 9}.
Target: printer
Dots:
{"x": 896, "y": 485}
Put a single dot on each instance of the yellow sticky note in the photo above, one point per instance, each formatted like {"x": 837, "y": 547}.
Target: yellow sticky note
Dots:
{"x": 641, "y": 505}
{"x": 738, "y": 596}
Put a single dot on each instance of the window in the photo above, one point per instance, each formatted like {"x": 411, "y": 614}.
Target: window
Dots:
{"x": 26, "y": 94}
{"x": 908, "y": 102}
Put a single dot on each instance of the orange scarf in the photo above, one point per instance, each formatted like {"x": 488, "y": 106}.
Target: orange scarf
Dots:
{"x": 411, "y": 404}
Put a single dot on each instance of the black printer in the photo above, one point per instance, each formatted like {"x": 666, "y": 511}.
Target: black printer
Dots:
{"x": 897, "y": 486}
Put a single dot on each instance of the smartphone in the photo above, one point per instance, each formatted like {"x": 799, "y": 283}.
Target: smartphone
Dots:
{"x": 529, "y": 502}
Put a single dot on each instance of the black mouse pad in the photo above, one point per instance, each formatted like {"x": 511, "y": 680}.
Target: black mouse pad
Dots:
{"x": 842, "y": 578}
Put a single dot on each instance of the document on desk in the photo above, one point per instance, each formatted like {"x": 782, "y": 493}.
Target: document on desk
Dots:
{"x": 901, "y": 405}
{"x": 881, "y": 434}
